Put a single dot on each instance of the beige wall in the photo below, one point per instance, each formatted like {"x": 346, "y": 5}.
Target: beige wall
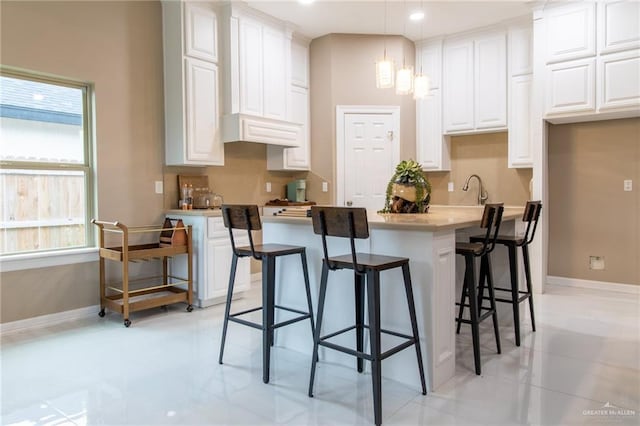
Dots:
{"x": 486, "y": 156}
{"x": 343, "y": 73}
{"x": 589, "y": 213}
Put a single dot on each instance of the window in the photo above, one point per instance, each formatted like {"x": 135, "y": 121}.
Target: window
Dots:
{"x": 46, "y": 175}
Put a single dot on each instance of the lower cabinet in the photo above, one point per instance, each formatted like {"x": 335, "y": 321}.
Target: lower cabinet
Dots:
{"x": 212, "y": 259}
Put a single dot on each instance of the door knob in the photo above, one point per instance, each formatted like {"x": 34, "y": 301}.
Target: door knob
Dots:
{"x": 349, "y": 203}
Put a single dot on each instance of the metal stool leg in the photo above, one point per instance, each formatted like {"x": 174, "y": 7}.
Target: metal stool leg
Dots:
{"x": 414, "y": 323}
{"x": 268, "y": 302}
{"x": 307, "y": 287}
{"x": 316, "y": 337}
{"x": 492, "y": 298}
{"x": 462, "y": 300}
{"x": 473, "y": 309}
{"x": 373, "y": 293}
{"x": 359, "y": 298}
{"x": 515, "y": 295}
{"x": 232, "y": 278}
{"x": 527, "y": 274}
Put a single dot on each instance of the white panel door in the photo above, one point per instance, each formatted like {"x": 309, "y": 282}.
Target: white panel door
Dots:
{"x": 219, "y": 256}
{"x": 368, "y": 159}
{"x": 458, "y": 86}
{"x": 298, "y": 158}
{"x": 251, "y": 67}
{"x": 204, "y": 145}
{"x": 571, "y": 87}
{"x": 520, "y": 150}
{"x": 490, "y": 82}
{"x": 571, "y": 31}
{"x": 432, "y": 149}
{"x": 275, "y": 74}
{"x": 619, "y": 80}
{"x": 201, "y": 30}
{"x": 618, "y": 25}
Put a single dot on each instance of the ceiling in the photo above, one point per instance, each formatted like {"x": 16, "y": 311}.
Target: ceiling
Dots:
{"x": 368, "y": 17}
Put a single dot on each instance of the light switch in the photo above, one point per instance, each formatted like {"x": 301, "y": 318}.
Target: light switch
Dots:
{"x": 159, "y": 187}
{"x": 628, "y": 185}
{"x": 450, "y": 187}
{"x": 325, "y": 187}
{"x": 267, "y": 187}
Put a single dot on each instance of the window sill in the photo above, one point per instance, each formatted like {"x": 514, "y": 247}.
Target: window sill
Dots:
{"x": 20, "y": 262}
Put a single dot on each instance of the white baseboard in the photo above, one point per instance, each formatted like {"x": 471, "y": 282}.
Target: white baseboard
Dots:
{"x": 257, "y": 277}
{"x": 596, "y": 285}
{"x": 50, "y": 319}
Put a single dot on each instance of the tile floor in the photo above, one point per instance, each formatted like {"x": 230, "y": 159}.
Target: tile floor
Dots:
{"x": 582, "y": 366}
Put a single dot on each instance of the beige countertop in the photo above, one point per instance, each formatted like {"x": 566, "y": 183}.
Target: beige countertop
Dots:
{"x": 439, "y": 218}
{"x": 197, "y": 212}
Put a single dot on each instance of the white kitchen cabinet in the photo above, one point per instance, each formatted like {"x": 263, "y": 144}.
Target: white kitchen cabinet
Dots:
{"x": 458, "y": 86}
{"x": 475, "y": 85}
{"x": 429, "y": 61}
{"x": 520, "y": 50}
{"x": 618, "y": 25}
{"x": 276, "y": 77}
{"x": 619, "y": 80}
{"x": 300, "y": 63}
{"x": 212, "y": 259}
{"x": 570, "y": 31}
{"x": 192, "y": 131}
{"x": 279, "y": 158}
{"x": 250, "y": 58}
{"x": 520, "y": 136}
{"x": 571, "y": 87}
{"x": 433, "y": 148}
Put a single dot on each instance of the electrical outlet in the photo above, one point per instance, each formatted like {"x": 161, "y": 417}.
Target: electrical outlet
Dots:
{"x": 450, "y": 187}
{"x": 267, "y": 187}
{"x": 159, "y": 187}
{"x": 596, "y": 263}
{"x": 325, "y": 187}
{"x": 628, "y": 185}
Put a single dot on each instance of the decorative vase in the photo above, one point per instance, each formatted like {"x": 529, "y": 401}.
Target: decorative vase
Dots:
{"x": 405, "y": 191}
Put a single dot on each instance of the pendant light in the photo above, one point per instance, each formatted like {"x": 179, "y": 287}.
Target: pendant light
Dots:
{"x": 385, "y": 67}
{"x": 421, "y": 83}
{"x": 404, "y": 76}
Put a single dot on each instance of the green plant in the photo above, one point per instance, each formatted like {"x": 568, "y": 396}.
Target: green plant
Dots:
{"x": 408, "y": 172}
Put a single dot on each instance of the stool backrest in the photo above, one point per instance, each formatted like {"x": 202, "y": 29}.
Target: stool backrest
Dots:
{"x": 341, "y": 222}
{"x": 242, "y": 216}
{"x": 531, "y": 216}
{"x": 491, "y": 220}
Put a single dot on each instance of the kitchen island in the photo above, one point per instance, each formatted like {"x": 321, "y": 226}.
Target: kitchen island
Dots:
{"x": 428, "y": 240}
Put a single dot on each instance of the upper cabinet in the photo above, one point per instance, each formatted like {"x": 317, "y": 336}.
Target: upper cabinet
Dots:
{"x": 520, "y": 93}
{"x": 588, "y": 76}
{"x": 191, "y": 95}
{"x": 475, "y": 84}
{"x": 257, "y": 53}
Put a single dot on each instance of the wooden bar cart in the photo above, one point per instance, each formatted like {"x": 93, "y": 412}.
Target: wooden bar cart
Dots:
{"x": 148, "y": 292}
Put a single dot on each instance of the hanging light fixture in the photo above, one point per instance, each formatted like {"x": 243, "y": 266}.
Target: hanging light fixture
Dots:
{"x": 421, "y": 83}
{"x": 385, "y": 67}
{"x": 404, "y": 76}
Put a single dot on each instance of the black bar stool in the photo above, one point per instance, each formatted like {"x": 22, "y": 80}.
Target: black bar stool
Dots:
{"x": 491, "y": 219}
{"x": 530, "y": 216}
{"x": 247, "y": 217}
{"x": 345, "y": 222}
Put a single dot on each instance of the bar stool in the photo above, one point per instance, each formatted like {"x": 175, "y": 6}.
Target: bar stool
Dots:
{"x": 491, "y": 219}
{"x": 530, "y": 216}
{"x": 345, "y": 222}
{"x": 247, "y": 217}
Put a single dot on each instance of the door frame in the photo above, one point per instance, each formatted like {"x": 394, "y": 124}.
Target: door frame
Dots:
{"x": 341, "y": 112}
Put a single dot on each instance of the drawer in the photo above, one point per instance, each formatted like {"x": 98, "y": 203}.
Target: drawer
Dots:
{"x": 216, "y": 229}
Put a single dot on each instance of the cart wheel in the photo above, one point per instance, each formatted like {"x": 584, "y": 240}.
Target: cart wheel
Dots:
{"x": 189, "y": 308}
{"x": 127, "y": 323}
{"x": 101, "y": 313}
{"x": 165, "y": 307}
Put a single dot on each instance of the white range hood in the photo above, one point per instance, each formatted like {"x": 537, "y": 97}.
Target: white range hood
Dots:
{"x": 247, "y": 128}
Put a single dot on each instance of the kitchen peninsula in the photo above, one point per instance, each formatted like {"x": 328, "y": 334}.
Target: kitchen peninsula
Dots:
{"x": 428, "y": 240}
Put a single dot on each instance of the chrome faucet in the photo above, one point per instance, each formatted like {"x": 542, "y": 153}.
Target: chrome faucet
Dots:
{"x": 482, "y": 194}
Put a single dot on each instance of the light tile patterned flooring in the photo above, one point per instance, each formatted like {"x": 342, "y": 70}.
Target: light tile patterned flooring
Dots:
{"x": 582, "y": 366}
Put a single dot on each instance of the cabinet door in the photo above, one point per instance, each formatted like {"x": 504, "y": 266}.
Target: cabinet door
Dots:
{"x": 571, "y": 31}
{"x": 298, "y": 158}
{"x": 432, "y": 148}
{"x": 490, "y": 82}
{"x": 219, "y": 266}
{"x": 250, "y": 64}
{"x": 618, "y": 25}
{"x": 458, "y": 86}
{"x": 520, "y": 50}
{"x": 429, "y": 58}
{"x": 571, "y": 87}
{"x": 203, "y": 143}
{"x": 275, "y": 73}
{"x": 200, "y": 28}
{"x": 520, "y": 152}
{"x": 299, "y": 64}
{"x": 619, "y": 80}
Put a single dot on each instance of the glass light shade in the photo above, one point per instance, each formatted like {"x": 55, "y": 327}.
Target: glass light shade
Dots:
{"x": 421, "y": 86}
{"x": 404, "y": 81}
{"x": 384, "y": 73}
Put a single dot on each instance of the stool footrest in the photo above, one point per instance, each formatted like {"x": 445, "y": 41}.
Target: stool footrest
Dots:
{"x": 245, "y": 322}
{"x": 291, "y": 321}
{"x": 304, "y": 316}
{"x": 481, "y": 318}
{"x": 410, "y": 341}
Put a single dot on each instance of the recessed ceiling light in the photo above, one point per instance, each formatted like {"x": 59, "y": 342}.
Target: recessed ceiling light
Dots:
{"x": 38, "y": 97}
{"x": 306, "y": 1}
{"x": 418, "y": 15}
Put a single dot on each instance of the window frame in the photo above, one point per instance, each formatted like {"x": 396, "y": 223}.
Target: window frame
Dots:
{"x": 61, "y": 255}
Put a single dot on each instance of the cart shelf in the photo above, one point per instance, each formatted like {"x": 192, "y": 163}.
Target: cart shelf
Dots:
{"x": 174, "y": 239}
